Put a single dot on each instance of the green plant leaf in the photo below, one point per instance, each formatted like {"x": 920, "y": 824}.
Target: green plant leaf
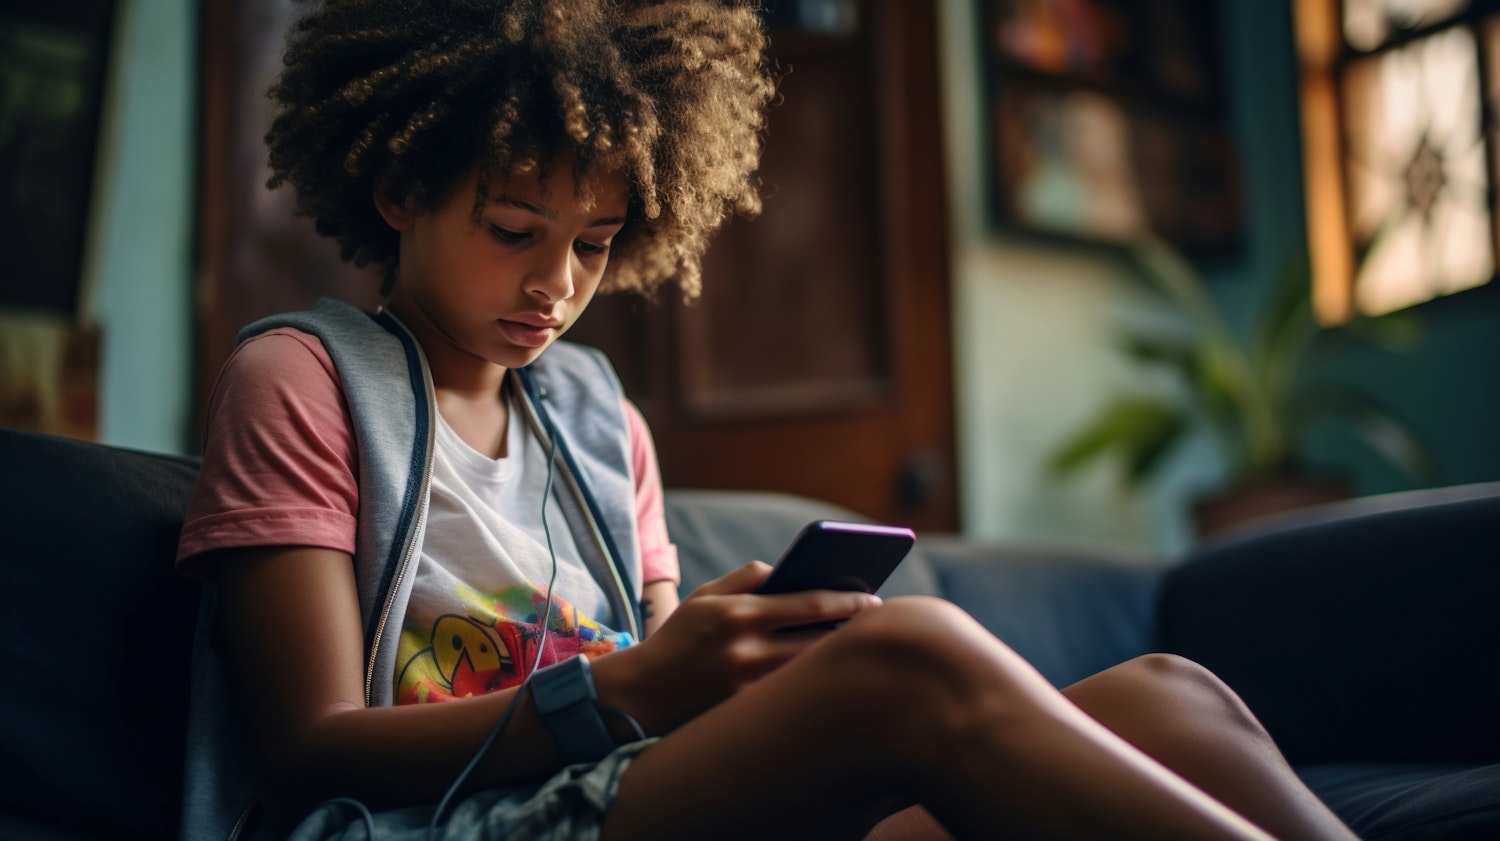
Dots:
{"x": 1152, "y": 446}
{"x": 1215, "y": 377}
{"x": 1287, "y": 309}
{"x": 1171, "y": 273}
{"x": 1156, "y": 349}
{"x": 1140, "y": 428}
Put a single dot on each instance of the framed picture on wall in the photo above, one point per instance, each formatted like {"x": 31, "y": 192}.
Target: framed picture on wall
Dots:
{"x": 53, "y": 60}
{"x": 52, "y": 65}
{"x": 1106, "y": 121}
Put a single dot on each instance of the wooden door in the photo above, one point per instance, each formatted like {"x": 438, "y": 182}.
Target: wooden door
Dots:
{"x": 254, "y": 257}
{"x": 818, "y": 360}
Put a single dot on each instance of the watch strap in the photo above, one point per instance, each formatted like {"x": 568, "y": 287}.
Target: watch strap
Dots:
{"x": 564, "y": 696}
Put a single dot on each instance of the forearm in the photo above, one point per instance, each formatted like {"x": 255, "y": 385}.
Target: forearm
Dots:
{"x": 293, "y": 629}
{"x": 387, "y": 757}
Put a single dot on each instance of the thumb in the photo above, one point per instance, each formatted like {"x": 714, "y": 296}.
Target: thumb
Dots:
{"x": 742, "y": 579}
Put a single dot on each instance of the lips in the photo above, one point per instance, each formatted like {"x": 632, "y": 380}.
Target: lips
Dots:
{"x": 529, "y": 330}
{"x": 535, "y": 319}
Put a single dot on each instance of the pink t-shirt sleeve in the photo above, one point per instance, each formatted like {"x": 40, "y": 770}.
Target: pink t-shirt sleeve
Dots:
{"x": 279, "y": 460}
{"x": 658, "y": 555}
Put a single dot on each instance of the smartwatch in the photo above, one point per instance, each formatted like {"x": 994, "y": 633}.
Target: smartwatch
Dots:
{"x": 565, "y": 699}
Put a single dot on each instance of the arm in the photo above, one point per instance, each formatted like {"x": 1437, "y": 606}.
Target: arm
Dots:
{"x": 658, "y": 600}
{"x": 659, "y": 568}
{"x": 292, "y": 626}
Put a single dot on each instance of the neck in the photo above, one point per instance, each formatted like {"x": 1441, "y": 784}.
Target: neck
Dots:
{"x": 455, "y": 371}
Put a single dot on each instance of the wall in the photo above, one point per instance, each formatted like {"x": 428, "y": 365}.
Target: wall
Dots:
{"x": 138, "y": 262}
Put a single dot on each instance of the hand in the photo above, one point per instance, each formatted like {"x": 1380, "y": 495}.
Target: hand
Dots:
{"x": 724, "y": 637}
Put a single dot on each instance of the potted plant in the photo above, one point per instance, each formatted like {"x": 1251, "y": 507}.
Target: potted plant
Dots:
{"x": 1258, "y": 397}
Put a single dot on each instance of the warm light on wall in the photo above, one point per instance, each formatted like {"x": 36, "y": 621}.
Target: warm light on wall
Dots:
{"x": 1327, "y": 217}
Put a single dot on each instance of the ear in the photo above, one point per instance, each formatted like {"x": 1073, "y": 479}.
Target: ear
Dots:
{"x": 395, "y": 209}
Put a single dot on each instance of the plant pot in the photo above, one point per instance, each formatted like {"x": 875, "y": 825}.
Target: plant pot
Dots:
{"x": 1256, "y": 498}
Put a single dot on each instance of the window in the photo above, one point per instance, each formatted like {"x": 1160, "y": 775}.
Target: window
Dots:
{"x": 1399, "y": 151}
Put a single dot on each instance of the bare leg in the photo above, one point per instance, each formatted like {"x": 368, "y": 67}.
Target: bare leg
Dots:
{"x": 911, "y": 824}
{"x": 1187, "y": 719}
{"x": 912, "y": 702}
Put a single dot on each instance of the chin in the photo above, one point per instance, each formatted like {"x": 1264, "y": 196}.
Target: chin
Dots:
{"x": 520, "y": 357}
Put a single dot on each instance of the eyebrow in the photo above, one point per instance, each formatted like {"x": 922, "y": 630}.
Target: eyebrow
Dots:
{"x": 550, "y": 214}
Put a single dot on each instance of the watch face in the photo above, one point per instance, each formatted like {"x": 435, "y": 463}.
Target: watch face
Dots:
{"x": 563, "y": 685}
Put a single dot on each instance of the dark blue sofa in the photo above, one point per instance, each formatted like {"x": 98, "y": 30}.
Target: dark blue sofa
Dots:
{"x": 1366, "y": 636}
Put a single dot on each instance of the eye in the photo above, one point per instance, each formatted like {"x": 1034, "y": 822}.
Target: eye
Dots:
{"x": 590, "y": 249}
{"x": 507, "y": 236}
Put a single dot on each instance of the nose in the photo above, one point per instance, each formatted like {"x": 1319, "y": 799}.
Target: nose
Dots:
{"x": 550, "y": 277}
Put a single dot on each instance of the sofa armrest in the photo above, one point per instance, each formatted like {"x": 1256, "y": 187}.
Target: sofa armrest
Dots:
{"x": 1360, "y": 632}
{"x": 1070, "y": 612}
{"x": 96, "y": 629}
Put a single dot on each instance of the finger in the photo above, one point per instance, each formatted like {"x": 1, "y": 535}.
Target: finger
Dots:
{"x": 768, "y": 652}
{"x": 742, "y": 579}
{"x": 776, "y": 649}
{"x": 813, "y": 607}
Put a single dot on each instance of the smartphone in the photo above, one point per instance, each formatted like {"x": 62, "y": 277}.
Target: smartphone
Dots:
{"x": 831, "y": 555}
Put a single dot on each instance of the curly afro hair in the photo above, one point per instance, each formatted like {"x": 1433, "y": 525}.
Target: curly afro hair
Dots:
{"x": 415, "y": 93}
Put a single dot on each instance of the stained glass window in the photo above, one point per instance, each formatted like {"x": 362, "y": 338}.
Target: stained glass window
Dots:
{"x": 1399, "y": 157}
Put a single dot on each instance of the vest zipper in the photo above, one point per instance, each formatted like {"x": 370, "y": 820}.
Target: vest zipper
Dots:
{"x": 418, "y": 525}
{"x": 599, "y": 540}
{"x": 239, "y": 823}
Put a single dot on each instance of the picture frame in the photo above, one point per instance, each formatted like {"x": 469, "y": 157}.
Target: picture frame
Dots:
{"x": 53, "y": 60}
{"x": 1105, "y": 122}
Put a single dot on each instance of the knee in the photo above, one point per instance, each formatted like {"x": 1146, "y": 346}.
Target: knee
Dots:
{"x": 934, "y": 656}
{"x": 916, "y": 633}
{"x": 1175, "y": 682}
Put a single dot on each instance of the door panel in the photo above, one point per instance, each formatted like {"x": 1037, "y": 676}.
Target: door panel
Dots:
{"x": 254, "y": 257}
{"x": 817, "y": 360}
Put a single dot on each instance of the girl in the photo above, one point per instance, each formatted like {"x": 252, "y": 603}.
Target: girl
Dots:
{"x": 436, "y": 538}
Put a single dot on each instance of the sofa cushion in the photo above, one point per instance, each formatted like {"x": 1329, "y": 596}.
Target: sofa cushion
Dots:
{"x": 1411, "y": 802}
{"x": 1069, "y": 613}
{"x": 717, "y": 531}
{"x": 97, "y": 628}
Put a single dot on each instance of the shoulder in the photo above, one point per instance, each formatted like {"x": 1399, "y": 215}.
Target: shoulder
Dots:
{"x": 276, "y": 362}
{"x": 284, "y": 345}
{"x": 280, "y": 385}
{"x": 328, "y": 318}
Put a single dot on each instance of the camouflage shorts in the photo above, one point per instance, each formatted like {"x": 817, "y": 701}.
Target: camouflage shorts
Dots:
{"x": 571, "y": 805}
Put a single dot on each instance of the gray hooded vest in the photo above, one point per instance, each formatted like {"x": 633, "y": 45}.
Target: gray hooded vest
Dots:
{"x": 571, "y": 398}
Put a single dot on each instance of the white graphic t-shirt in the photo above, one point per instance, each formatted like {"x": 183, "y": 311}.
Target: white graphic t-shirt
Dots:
{"x": 474, "y": 621}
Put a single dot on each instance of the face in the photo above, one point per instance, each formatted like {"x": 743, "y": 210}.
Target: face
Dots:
{"x": 487, "y": 297}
